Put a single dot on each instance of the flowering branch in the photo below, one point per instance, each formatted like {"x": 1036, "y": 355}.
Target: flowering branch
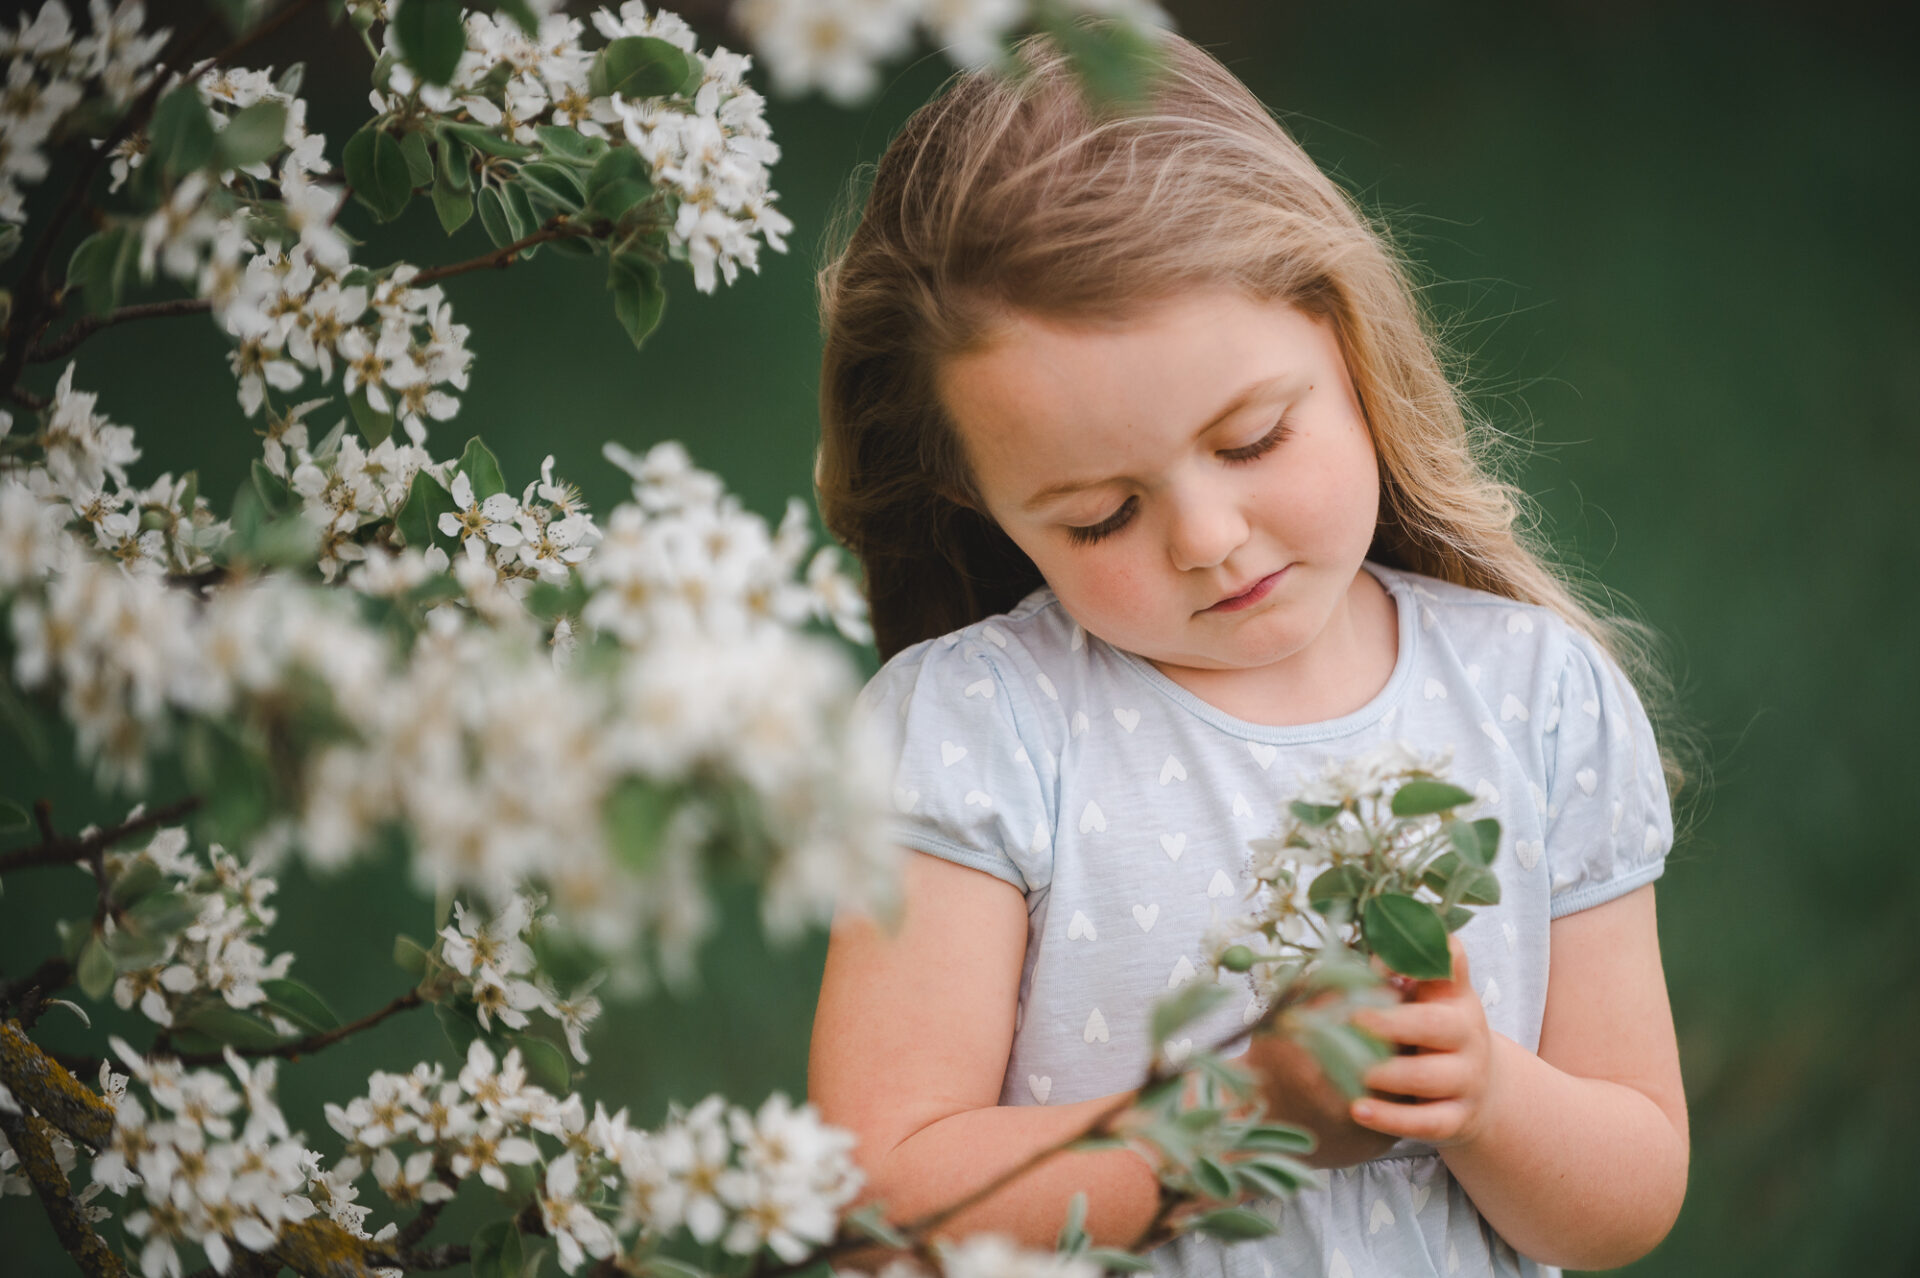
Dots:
{"x": 557, "y": 229}
{"x": 314, "y": 1042}
{"x": 61, "y": 850}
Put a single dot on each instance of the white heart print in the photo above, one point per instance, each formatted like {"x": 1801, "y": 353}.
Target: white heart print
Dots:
{"x": 1092, "y": 818}
{"x": 1041, "y": 1085}
{"x": 951, "y": 753}
{"x": 1128, "y": 719}
{"x": 1528, "y": 852}
{"x": 1182, "y": 972}
{"x": 1096, "y": 1030}
{"x": 1262, "y": 754}
{"x": 1420, "y": 1195}
{"x": 1172, "y": 770}
{"x": 1080, "y": 927}
{"x": 1042, "y": 837}
{"x": 1241, "y": 807}
{"x": 993, "y": 636}
{"x": 1339, "y": 1266}
{"x": 1512, "y": 708}
{"x": 1221, "y": 885}
{"x": 1146, "y": 916}
{"x": 905, "y": 799}
{"x": 1512, "y": 934}
{"x": 1079, "y": 723}
{"x": 1586, "y": 779}
{"x": 1519, "y": 623}
{"x": 1046, "y": 686}
{"x": 1177, "y": 1052}
{"x": 979, "y": 799}
{"x": 1173, "y": 845}
{"x": 1434, "y": 688}
{"x": 982, "y": 688}
{"x": 1490, "y": 997}
{"x": 1381, "y": 1217}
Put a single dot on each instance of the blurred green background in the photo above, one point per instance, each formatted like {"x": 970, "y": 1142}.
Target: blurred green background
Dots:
{"x": 1676, "y": 245}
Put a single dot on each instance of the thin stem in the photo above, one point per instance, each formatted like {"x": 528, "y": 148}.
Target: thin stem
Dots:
{"x": 87, "y": 326}
{"x": 504, "y": 255}
{"x": 313, "y": 1042}
{"x": 56, "y": 849}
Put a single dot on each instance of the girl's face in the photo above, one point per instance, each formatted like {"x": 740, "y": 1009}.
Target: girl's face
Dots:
{"x": 1196, "y": 483}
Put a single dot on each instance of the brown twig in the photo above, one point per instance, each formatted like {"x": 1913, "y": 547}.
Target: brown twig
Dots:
{"x": 503, "y": 256}
{"x": 31, "y": 1138}
{"x": 87, "y": 326}
{"x": 55, "y": 849}
{"x": 313, "y": 1042}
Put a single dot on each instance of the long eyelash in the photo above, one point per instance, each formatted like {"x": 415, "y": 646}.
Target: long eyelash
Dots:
{"x": 1088, "y": 534}
{"x": 1260, "y": 447}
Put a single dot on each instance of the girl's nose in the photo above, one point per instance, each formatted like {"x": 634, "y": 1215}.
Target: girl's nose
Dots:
{"x": 1205, "y": 528}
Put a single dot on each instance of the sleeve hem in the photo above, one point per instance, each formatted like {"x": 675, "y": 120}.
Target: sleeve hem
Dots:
{"x": 1593, "y": 894}
{"x": 932, "y": 845}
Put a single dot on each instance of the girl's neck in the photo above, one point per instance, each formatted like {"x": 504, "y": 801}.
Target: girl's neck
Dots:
{"x": 1344, "y": 668}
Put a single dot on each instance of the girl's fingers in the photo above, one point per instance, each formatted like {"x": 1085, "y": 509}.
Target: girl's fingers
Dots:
{"x": 1433, "y": 1076}
{"x": 1436, "y": 1025}
{"x": 1433, "y": 1121}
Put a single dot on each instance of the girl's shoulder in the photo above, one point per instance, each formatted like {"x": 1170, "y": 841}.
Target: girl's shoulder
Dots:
{"x": 1026, "y": 637}
{"x": 1471, "y": 628}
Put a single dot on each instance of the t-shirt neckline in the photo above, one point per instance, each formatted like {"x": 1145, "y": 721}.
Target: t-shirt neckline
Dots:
{"x": 1295, "y": 733}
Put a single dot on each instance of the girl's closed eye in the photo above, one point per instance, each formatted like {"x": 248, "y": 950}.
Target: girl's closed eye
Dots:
{"x": 1087, "y": 534}
{"x": 1262, "y": 446}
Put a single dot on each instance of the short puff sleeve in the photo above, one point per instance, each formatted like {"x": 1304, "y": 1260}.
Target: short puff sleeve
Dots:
{"x": 1609, "y": 819}
{"x": 966, "y": 786}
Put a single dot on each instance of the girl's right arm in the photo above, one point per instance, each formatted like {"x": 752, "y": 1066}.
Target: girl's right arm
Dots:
{"x": 910, "y": 1045}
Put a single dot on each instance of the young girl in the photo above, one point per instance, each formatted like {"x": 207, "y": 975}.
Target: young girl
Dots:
{"x": 1165, "y": 502}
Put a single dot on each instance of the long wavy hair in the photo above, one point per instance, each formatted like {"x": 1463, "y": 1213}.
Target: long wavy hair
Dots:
{"x": 1014, "y": 193}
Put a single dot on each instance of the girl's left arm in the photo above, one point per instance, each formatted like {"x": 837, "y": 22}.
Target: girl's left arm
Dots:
{"x": 1577, "y": 1156}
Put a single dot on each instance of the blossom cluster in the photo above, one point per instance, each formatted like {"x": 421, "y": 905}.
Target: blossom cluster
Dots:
{"x": 50, "y": 70}
{"x": 500, "y": 764}
{"x": 839, "y": 46}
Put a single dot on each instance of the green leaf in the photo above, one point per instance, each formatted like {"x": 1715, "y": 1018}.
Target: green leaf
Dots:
{"x": 497, "y": 1251}
{"x": 419, "y": 518}
{"x": 413, "y": 149}
{"x": 639, "y": 67}
{"x": 618, "y": 182}
{"x": 140, "y": 879}
{"x": 452, "y": 206}
{"x": 133, "y": 952}
{"x": 95, "y": 969}
{"x": 559, "y": 185}
{"x": 1457, "y": 917}
{"x": 521, "y": 218}
{"x": 482, "y": 469}
{"x": 452, "y": 163}
{"x": 99, "y": 267}
{"x": 1073, "y": 1234}
{"x": 493, "y": 217}
{"x": 1273, "y": 1176}
{"x": 487, "y": 141}
{"x": 253, "y": 135}
{"x": 377, "y": 170}
{"x": 1314, "y": 814}
{"x": 274, "y": 492}
{"x": 410, "y": 956}
{"x": 461, "y": 1029}
{"x": 1462, "y": 881}
{"x": 546, "y": 1064}
{"x": 1195, "y": 1000}
{"x": 1408, "y": 936}
{"x": 1341, "y": 883}
{"x": 1116, "y": 62}
{"x": 1277, "y": 1138}
{"x": 635, "y": 813}
{"x": 523, "y": 13}
{"x": 374, "y": 423}
{"x": 1233, "y": 1224}
{"x": 638, "y": 299}
{"x": 1478, "y": 841}
{"x": 550, "y": 600}
{"x": 1124, "y": 1262}
{"x": 569, "y": 144}
{"x": 301, "y": 1004}
{"x": 432, "y": 37}
{"x": 289, "y": 80}
{"x": 1424, "y": 797}
{"x": 234, "y": 777}
{"x": 180, "y": 137}
{"x": 1212, "y": 1178}
{"x": 224, "y": 1024}
{"x": 869, "y": 1221}
{"x": 15, "y": 817}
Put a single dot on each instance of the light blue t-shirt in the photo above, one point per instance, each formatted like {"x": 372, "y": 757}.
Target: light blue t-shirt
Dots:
{"x": 1121, "y": 805}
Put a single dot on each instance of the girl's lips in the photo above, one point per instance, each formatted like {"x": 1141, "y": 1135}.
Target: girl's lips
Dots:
{"x": 1250, "y": 596}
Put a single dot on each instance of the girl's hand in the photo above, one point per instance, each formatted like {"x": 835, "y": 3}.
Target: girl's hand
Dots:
{"x": 1297, "y": 1091}
{"x": 1440, "y": 1088}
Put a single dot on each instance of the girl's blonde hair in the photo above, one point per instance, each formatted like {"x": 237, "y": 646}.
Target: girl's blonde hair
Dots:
{"x": 1013, "y": 193}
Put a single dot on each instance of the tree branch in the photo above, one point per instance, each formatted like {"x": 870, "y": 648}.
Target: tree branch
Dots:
{"x": 504, "y": 256}
{"x": 313, "y": 1042}
{"x": 31, "y": 1139}
{"x": 63, "y": 345}
{"x": 54, "y": 849}
{"x": 38, "y": 1080}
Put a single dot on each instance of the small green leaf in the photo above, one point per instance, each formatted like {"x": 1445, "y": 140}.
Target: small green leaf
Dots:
{"x": 1462, "y": 881}
{"x": 569, "y": 144}
{"x": 869, "y": 1221}
{"x": 377, "y": 171}
{"x": 482, "y": 469}
{"x": 1194, "y": 1000}
{"x": 638, "y": 299}
{"x": 1341, "y": 883}
{"x": 419, "y": 518}
{"x": 1277, "y": 1138}
{"x": 558, "y": 185}
{"x": 521, "y": 217}
{"x": 413, "y": 148}
{"x": 224, "y": 1024}
{"x": 180, "y": 137}
{"x": 619, "y": 181}
{"x": 432, "y": 37}
{"x": 639, "y": 67}
{"x": 493, "y": 217}
{"x": 99, "y": 267}
{"x": 14, "y": 817}
{"x": 1110, "y": 1261}
{"x": 1407, "y": 936}
{"x": 1457, "y": 917}
{"x": 95, "y": 969}
{"x": 1314, "y": 814}
{"x": 546, "y": 1064}
{"x": 289, "y": 80}
{"x": 1273, "y": 1176}
{"x": 253, "y": 135}
{"x": 487, "y": 141}
{"x": 301, "y": 1004}
{"x": 374, "y": 423}
{"x": 133, "y": 952}
{"x": 274, "y": 492}
{"x": 461, "y": 1029}
{"x": 451, "y": 205}
{"x": 1212, "y": 1178}
{"x": 410, "y": 956}
{"x": 452, "y": 163}
{"x": 1233, "y": 1224}
{"x": 1478, "y": 841}
{"x": 1425, "y": 797}
{"x": 1116, "y": 61}
{"x": 523, "y": 13}
{"x": 1073, "y": 1234}
{"x": 141, "y": 878}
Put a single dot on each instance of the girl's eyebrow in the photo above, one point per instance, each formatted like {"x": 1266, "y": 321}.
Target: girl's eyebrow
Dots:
{"x": 1247, "y": 395}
